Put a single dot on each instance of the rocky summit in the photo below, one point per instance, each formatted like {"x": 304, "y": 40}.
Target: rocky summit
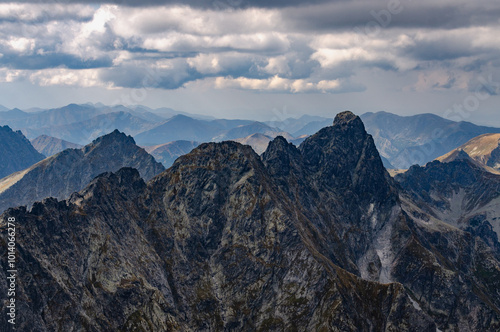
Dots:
{"x": 314, "y": 238}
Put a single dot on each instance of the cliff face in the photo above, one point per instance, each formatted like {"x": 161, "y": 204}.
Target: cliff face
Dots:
{"x": 16, "y": 152}
{"x": 72, "y": 169}
{"x": 313, "y": 238}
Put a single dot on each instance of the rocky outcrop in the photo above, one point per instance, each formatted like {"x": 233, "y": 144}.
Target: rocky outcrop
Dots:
{"x": 314, "y": 238}
{"x": 72, "y": 169}
{"x": 16, "y": 152}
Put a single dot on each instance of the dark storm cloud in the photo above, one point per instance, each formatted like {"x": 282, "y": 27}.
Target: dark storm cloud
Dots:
{"x": 204, "y": 4}
{"x": 393, "y": 14}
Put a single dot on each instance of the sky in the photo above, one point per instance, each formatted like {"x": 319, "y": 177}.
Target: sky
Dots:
{"x": 256, "y": 59}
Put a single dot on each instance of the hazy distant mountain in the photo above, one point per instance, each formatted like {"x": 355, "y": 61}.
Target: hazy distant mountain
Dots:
{"x": 3, "y": 108}
{"x": 16, "y": 152}
{"x": 310, "y": 238}
{"x": 250, "y": 129}
{"x": 258, "y": 142}
{"x": 85, "y": 131}
{"x": 49, "y": 146}
{"x": 484, "y": 149}
{"x": 293, "y": 125}
{"x": 167, "y": 153}
{"x": 179, "y": 127}
{"x": 70, "y": 170}
{"x": 312, "y": 127}
{"x": 138, "y": 111}
{"x": 418, "y": 139}
{"x": 55, "y": 117}
{"x": 13, "y": 114}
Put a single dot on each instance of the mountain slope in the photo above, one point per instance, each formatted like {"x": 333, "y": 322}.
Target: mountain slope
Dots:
{"x": 70, "y": 170}
{"x": 168, "y": 152}
{"x": 258, "y": 142}
{"x": 459, "y": 192}
{"x": 418, "y": 139}
{"x": 314, "y": 238}
{"x": 16, "y": 152}
{"x": 250, "y": 129}
{"x": 179, "y": 127}
{"x": 219, "y": 250}
{"x": 485, "y": 149}
{"x": 49, "y": 146}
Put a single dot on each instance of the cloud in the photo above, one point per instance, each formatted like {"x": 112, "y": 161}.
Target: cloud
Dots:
{"x": 279, "y": 84}
{"x": 278, "y": 46}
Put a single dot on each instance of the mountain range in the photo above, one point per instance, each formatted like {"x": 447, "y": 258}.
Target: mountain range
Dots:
{"x": 418, "y": 139}
{"x": 72, "y": 169}
{"x": 311, "y": 238}
{"x": 401, "y": 140}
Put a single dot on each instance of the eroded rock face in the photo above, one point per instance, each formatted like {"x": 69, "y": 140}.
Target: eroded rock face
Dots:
{"x": 300, "y": 239}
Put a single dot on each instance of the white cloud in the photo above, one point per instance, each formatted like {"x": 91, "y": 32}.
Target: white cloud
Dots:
{"x": 68, "y": 77}
{"x": 22, "y": 45}
{"x": 278, "y": 84}
{"x": 255, "y": 48}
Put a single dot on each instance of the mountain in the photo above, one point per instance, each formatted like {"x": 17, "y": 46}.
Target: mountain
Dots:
{"x": 418, "y": 139}
{"x": 167, "y": 153}
{"x": 258, "y": 142}
{"x": 179, "y": 127}
{"x": 49, "y": 146}
{"x": 314, "y": 238}
{"x": 484, "y": 149}
{"x": 293, "y": 125}
{"x": 55, "y": 117}
{"x": 70, "y": 170}
{"x": 85, "y": 131}
{"x": 16, "y": 152}
{"x": 13, "y": 114}
{"x": 250, "y": 129}
{"x": 459, "y": 192}
{"x": 312, "y": 127}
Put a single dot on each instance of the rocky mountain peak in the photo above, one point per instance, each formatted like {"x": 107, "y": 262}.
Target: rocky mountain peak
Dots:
{"x": 115, "y": 137}
{"x": 344, "y": 156}
{"x": 345, "y": 118}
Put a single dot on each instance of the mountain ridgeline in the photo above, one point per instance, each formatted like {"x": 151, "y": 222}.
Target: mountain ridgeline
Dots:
{"x": 16, "y": 152}
{"x": 72, "y": 169}
{"x": 314, "y": 238}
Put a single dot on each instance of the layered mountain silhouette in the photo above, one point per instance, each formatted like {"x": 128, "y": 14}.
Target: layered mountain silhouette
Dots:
{"x": 71, "y": 170}
{"x": 402, "y": 140}
{"x": 314, "y": 238}
{"x": 418, "y": 139}
{"x": 49, "y": 146}
{"x": 16, "y": 152}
